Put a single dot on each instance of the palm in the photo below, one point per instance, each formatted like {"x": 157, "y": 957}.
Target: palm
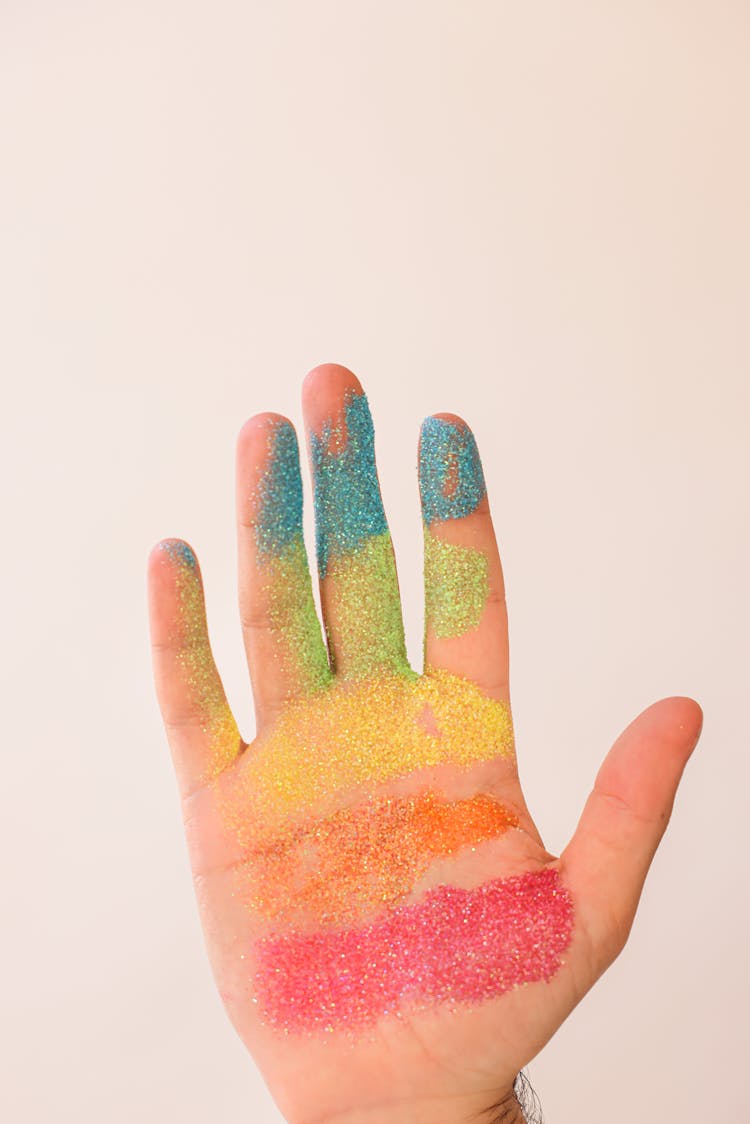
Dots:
{"x": 385, "y": 925}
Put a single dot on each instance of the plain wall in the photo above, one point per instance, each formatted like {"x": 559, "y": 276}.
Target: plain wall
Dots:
{"x": 534, "y": 215}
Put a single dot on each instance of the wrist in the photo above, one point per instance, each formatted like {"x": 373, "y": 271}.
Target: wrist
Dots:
{"x": 507, "y": 1110}
{"x": 492, "y": 1109}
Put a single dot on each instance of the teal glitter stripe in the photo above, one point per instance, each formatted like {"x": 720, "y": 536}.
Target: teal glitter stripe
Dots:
{"x": 348, "y": 508}
{"x": 279, "y": 519}
{"x": 448, "y": 457}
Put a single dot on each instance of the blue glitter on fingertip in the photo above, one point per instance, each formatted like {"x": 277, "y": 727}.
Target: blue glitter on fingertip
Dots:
{"x": 451, "y": 480}
{"x": 348, "y": 507}
{"x": 180, "y": 551}
{"x": 279, "y": 518}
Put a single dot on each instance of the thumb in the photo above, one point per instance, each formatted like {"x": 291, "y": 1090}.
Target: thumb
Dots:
{"x": 606, "y": 862}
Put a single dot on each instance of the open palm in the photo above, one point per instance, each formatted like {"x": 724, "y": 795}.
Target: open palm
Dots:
{"x": 390, "y": 936}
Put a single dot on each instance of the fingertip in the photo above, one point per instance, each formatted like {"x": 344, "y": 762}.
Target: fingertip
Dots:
{"x": 172, "y": 550}
{"x": 324, "y": 390}
{"x": 451, "y": 478}
{"x": 690, "y": 705}
{"x": 258, "y": 444}
{"x": 676, "y": 718}
{"x": 329, "y": 374}
{"x": 172, "y": 571}
{"x": 258, "y": 426}
{"x": 450, "y": 419}
{"x": 689, "y": 717}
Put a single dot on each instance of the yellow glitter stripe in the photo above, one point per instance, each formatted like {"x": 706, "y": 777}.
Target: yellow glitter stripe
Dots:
{"x": 359, "y": 732}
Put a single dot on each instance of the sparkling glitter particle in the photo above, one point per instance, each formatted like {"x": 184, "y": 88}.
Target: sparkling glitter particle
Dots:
{"x": 454, "y": 946}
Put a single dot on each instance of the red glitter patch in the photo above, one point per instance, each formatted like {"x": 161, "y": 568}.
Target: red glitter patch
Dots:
{"x": 454, "y": 945}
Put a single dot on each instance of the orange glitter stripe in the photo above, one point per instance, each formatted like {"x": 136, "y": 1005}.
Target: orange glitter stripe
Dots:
{"x": 363, "y": 860}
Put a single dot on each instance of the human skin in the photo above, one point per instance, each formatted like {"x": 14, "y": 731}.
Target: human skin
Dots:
{"x": 374, "y": 801}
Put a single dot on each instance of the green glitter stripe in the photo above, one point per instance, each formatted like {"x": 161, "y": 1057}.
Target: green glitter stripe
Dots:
{"x": 456, "y": 586}
{"x": 294, "y": 617}
{"x": 365, "y": 612}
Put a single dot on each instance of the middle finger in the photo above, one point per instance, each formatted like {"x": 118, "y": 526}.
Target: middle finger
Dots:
{"x": 356, "y": 565}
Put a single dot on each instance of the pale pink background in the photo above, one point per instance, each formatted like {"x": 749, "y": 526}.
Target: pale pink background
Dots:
{"x": 535, "y": 215}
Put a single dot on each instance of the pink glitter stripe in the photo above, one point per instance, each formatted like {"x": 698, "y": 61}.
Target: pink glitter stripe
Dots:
{"x": 454, "y": 944}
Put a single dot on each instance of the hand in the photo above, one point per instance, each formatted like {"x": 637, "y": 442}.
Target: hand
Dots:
{"x": 389, "y": 935}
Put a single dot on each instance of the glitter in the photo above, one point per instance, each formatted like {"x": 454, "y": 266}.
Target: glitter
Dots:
{"x": 294, "y": 619}
{"x": 456, "y": 586}
{"x": 454, "y": 946}
{"x": 451, "y": 481}
{"x": 364, "y": 607}
{"x": 179, "y": 551}
{"x": 367, "y": 858}
{"x": 279, "y": 493}
{"x": 363, "y": 614}
{"x": 359, "y": 732}
{"x": 348, "y": 507}
{"x": 193, "y": 654}
{"x": 282, "y": 562}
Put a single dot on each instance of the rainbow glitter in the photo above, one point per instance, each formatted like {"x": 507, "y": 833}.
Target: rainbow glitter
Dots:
{"x": 358, "y": 733}
{"x": 456, "y": 585}
{"x": 193, "y": 655}
{"x": 454, "y": 946}
{"x": 364, "y": 860}
{"x": 451, "y": 481}
{"x": 334, "y": 872}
